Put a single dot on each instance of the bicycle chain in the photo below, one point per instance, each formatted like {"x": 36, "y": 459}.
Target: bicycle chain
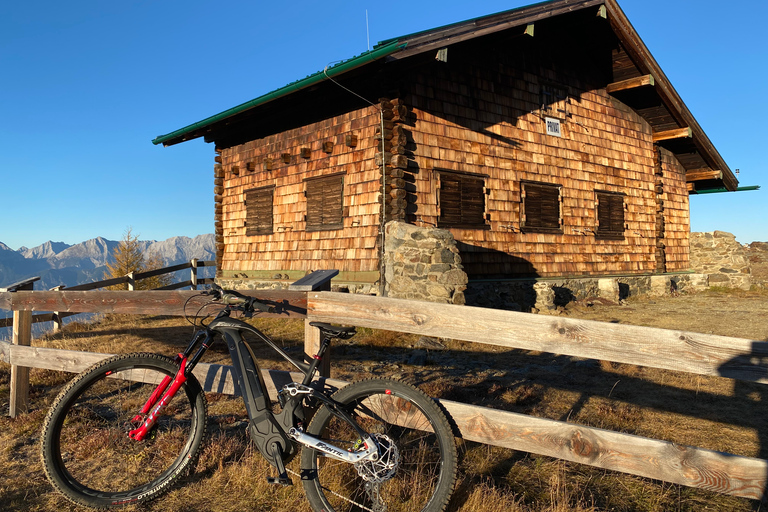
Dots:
{"x": 339, "y": 495}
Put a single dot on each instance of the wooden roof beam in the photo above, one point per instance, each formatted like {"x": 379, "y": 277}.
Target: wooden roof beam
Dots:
{"x": 631, "y": 83}
{"x": 677, "y": 133}
{"x": 703, "y": 174}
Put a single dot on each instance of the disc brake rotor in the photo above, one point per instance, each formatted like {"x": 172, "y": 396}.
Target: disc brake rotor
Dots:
{"x": 383, "y": 468}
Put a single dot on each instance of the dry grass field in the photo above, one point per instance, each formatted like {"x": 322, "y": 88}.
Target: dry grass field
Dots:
{"x": 710, "y": 412}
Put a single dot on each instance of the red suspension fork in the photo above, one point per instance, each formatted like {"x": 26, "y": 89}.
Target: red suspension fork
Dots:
{"x": 155, "y": 405}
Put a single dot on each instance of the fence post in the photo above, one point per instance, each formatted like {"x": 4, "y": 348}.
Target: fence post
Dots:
{"x": 193, "y": 277}
{"x": 57, "y": 323}
{"x": 131, "y": 282}
{"x": 22, "y": 335}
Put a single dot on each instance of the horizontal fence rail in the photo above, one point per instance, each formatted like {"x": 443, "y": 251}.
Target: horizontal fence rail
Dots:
{"x": 674, "y": 350}
{"x": 130, "y": 279}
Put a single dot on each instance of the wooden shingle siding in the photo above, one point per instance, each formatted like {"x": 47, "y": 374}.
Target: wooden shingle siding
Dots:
{"x": 486, "y": 118}
{"x": 293, "y": 245}
{"x": 676, "y": 214}
{"x": 464, "y": 146}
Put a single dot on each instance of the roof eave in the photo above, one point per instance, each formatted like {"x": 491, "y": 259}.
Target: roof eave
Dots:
{"x": 200, "y": 128}
{"x": 635, "y": 46}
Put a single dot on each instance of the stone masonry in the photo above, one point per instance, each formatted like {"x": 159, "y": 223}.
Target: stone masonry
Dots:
{"x": 725, "y": 260}
{"x": 423, "y": 264}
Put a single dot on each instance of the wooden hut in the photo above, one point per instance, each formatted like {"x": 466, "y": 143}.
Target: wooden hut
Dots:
{"x": 547, "y": 139}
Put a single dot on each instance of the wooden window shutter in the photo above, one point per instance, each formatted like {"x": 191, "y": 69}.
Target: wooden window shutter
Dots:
{"x": 610, "y": 216}
{"x": 541, "y": 208}
{"x": 259, "y": 211}
{"x": 325, "y": 203}
{"x": 461, "y": 198}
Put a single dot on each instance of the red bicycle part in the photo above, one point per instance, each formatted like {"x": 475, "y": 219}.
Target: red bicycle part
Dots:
{"x": 154, "y": 407}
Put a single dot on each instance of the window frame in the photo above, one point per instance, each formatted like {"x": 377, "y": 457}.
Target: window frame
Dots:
{"x": 610, "y": 200}
{"x": 529, "y": 190}
{"x": 464, "y": 212}
{"x": 259, "y": 220}
{"x": 331, "y": 201}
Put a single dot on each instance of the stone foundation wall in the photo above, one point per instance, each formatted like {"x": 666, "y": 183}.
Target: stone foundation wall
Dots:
{"x": 277, "y": 283}
{"x": 548, "y": 294}
{"x": 425, "y": 264}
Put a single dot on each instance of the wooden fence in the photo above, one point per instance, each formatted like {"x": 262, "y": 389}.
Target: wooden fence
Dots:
{"x": 131, "y": 279}
{"x": 681, "y": 351}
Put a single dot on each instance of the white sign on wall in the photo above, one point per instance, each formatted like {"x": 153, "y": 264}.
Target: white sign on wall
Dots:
{"x": 553, "y": 126}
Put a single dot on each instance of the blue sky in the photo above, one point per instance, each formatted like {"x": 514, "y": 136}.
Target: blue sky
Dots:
{"x": 85, "y": 85}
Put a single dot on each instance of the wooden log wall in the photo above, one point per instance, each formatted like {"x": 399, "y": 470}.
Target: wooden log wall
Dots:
{"x": 345, "y": 144}
{"x": 488, "y": 120}
{"x": 394, "y": 157}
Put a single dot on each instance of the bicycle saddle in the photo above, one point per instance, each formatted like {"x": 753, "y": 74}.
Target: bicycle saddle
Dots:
{"x": 336, "y": 331}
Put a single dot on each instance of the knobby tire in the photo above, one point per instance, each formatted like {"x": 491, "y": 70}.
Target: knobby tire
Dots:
{"x": 423, "y": 470}
{"x": 85, "y": 447}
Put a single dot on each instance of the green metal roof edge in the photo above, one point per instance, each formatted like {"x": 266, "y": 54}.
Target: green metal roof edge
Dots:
{"x": 723, "y": 189}
{"x": 342, "y": 67}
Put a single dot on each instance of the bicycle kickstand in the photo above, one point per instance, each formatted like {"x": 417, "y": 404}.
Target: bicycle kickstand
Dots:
{"x": 275, "y": 452}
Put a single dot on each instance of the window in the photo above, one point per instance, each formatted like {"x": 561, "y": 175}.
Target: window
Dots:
{"x": 541, "y": 208}
{"x": 461, "y": 200}
{"x": 610, "y": 216}
{"x": 325, "y": 202}
{"x": 258, "y": 211}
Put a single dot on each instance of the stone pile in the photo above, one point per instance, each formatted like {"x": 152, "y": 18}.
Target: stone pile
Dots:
{"x": 722, "y": 258}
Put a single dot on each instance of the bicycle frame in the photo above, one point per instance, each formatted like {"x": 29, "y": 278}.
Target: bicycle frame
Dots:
{"x": 275, "y": 435}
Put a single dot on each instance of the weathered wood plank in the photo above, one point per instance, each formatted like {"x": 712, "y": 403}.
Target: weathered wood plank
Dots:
{"x": 695, "y": 467}
{"x": 161, "y": 271}
{"x": 98, "y": 284}
{"x": 679, "y": 133}
{"x": 650, "y": 458}
{"x": 19, "y": 385}
{"x": 703, "y": 174}
{"x": 630, "y": 83}
{"x": 214, "y": 378}
{"x": 703, "y": 354}
{"x": 26, "y": 284}
{"x": 288, "y": 304}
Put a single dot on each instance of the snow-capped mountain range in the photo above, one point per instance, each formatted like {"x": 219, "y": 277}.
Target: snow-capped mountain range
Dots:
{"x": 58, "y": 263}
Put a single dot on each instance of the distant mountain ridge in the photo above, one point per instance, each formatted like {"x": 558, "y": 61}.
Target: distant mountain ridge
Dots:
{"x": 58, "y": 263}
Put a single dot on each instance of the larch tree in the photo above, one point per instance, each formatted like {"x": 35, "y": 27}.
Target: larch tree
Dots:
{"x": 129, "y": 257}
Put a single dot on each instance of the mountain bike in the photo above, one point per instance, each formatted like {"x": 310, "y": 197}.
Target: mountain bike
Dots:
{"x": 131, "y": 426}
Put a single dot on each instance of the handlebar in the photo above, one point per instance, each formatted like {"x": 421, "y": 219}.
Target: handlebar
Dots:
{"x": 233, "y": 298}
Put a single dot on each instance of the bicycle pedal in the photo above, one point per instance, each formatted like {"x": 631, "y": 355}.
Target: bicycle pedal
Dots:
{"x": 284, "y": 481}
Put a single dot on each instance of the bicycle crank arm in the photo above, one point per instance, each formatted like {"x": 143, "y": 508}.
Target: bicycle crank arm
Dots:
{"x": 370, "y": 451}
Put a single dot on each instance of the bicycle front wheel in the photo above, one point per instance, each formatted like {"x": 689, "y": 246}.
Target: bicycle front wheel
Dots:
{"x": 416, "y": 469}
{"x": 86, "y": 451}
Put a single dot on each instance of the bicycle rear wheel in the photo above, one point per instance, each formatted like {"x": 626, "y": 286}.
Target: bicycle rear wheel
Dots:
{"x": 86, "y": 450}
{"x": 416, "y": 470}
